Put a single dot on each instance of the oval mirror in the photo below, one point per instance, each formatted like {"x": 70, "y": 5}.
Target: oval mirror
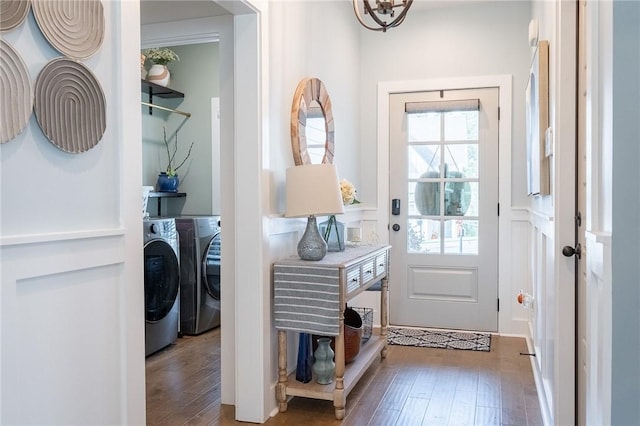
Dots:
{"x": 312, "y": 131}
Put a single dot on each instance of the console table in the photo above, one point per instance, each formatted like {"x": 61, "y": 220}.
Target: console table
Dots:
{"x": 303, "y": 287}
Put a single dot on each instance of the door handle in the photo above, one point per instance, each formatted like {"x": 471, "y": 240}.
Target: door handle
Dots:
{"x": 395, "y": 227}
{"x": 569, "y": 251}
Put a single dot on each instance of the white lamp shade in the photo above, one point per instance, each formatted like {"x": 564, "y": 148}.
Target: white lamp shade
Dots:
{"x": 313, "y": 189}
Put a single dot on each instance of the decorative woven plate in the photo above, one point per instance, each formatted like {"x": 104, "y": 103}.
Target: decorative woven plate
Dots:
{"x": 13, "y": 13}
{"x": 74, "y": 27}
{"x": 16, "y": 93}
{"x": 70, "y": 105}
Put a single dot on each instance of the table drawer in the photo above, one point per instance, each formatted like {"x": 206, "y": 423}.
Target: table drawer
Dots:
{"x": 381, "y": 265}
{"x": 353, "y": 279}
{"x": 368, "y": 270}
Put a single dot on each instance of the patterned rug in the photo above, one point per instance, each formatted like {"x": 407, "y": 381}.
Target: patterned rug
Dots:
{"x": 427, "y": 338}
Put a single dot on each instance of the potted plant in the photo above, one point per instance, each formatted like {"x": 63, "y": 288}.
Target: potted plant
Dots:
{"x": 168, "y": 181}
{"x": 159, "y": 73}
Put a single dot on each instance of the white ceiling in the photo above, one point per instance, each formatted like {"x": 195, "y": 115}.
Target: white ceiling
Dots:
{"x": 158, "y": 11}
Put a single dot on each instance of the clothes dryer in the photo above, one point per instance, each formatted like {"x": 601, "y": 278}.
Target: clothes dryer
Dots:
{"x": 200, "y": 273}
{"x": 161, "y": 283}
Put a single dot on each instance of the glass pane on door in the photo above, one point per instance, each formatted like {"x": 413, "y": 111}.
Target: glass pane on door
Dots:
{"x": 443, "y": 182}
{"x": 424, "y": 127}
{"x": 423, "y": 159}
{"x": 423, "y": 236}
{"x": 462, "y": 158}
{"x": 461, "y": 126}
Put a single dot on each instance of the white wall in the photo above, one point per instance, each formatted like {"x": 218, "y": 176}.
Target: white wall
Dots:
{"x": 300, "y": 46}
{"x": 460, "y": 39}
{"x": 72, "y": 305}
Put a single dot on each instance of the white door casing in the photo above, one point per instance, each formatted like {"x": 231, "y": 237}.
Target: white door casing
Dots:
{"x": 563, "y": 121}
{"x": 245, "y": 383}
{"x": 582, "y": 341}
{"x": 443, "y": 164}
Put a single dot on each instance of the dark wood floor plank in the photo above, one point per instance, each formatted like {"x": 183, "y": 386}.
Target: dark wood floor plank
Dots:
{"x": 487, "y": 416}
{"x": 383, "y": 417}
{"x": 462, "y": 414}
{"x": 424, "y": 384}
{"x": 411, "y": 386}
{"x": 513, "y": 416}
{"x": 440, "y": 404}
{"x": 413, "y": 411}
{"x": 396, "y": 396}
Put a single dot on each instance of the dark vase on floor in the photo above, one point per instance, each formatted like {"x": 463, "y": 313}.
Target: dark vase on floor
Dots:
{"x": 305, "y": 359}
{"x": 168, "y": 183}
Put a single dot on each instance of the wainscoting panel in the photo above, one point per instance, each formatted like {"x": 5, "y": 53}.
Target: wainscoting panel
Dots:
{"x": 519, "y": 268}
{"x": 55, "y": 328}
{"x": 62, "y": 305}
{"x": 543, "y": 313}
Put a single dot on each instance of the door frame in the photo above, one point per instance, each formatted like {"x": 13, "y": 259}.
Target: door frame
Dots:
{"x": 246, "y": 384}
{"x": 507, "y": 324}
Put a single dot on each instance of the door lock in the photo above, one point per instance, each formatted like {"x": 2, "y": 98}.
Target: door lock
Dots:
{"x": 395, "y": 227}
{"x": 395, "y": 206}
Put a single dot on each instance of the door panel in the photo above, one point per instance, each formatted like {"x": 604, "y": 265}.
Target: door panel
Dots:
{"x": 443, "y": 169}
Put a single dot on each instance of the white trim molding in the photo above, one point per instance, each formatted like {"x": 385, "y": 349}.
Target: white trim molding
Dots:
{"x": 179, "y": 33}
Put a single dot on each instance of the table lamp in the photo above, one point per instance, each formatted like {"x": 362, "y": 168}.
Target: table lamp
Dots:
{"x": 312, "y": 190}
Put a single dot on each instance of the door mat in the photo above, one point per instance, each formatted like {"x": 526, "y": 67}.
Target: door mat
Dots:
{"x": 426, "y": 338}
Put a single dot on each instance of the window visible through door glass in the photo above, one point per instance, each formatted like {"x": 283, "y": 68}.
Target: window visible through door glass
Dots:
{"x": 443, "y": 184}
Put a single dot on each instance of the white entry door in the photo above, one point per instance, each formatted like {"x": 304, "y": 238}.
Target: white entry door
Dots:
{"x": 444, "y": 209}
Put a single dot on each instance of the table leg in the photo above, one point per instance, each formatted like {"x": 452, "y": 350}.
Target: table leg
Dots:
{"x": 384, "y": 314}
{"x": 338, "y": 393}
{"x": 281, "y": 387}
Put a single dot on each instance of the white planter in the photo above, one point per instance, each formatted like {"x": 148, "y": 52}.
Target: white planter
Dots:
{"x": 158, "y": 74}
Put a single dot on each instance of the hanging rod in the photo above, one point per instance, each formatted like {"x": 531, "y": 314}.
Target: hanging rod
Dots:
{"x": 186, "y": 114}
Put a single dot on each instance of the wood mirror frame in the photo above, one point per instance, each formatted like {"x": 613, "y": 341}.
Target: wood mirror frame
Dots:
{"x": 309, "y": 90}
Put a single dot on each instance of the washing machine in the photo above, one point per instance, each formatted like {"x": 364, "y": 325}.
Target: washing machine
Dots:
{"x": 161, "y": 283}
{"x": 199, "y": 272}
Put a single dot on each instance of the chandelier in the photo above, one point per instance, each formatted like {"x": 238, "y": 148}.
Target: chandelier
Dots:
{"x": 382, "y": 8}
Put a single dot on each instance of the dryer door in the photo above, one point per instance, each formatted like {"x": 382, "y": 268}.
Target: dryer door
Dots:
{"x": 211, "y": 266}
{"x": 161, "y": 279}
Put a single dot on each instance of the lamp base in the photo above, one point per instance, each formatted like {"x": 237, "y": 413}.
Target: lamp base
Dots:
{"x": 312, "y": 246}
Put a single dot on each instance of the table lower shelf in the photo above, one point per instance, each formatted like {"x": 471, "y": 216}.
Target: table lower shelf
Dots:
{"x": 353, "y": 372}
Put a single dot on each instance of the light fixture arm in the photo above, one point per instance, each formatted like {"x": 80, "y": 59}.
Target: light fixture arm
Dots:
{"x": 383, "y": 9}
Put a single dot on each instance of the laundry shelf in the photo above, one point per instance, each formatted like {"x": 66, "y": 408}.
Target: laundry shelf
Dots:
{"x": 160, "y": 195}
{"x": 153, "y": 89}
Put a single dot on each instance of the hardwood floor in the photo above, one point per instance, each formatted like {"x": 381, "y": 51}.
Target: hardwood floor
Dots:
{"x": 412, "y": 386}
